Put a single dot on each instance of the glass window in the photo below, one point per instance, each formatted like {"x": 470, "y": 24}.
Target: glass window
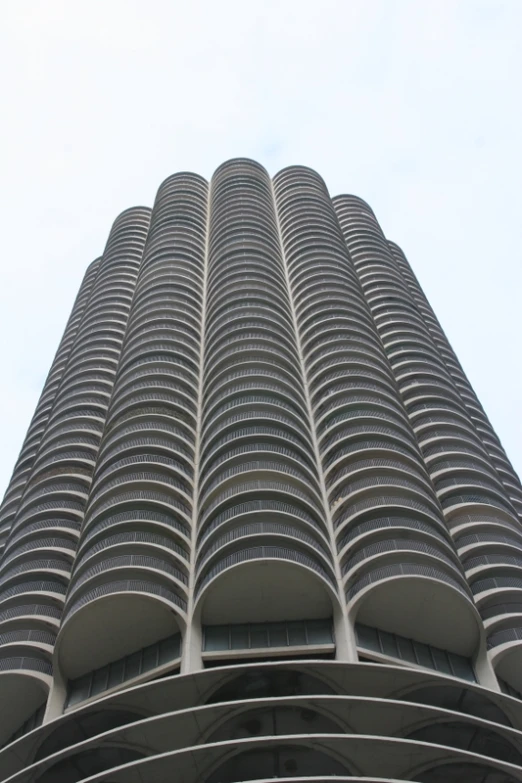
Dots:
{"x": 319, "y": 632}
{"x": 388, "y": 644}
{"x": 277, "y": 635}
{"x": 406, "y": 651}
{"x": 79, "y": 689}
{"x": 99, "y": 680}
{"x": 422, "y": 652}
{"x": 116, "y": 673}
{"x": 239, "y": 637}
{"x": 133, "y": 665}
{"x": 169, "y": 649}
{"x": 296, "y": 633}
{"x": 367, "y": 637}
{"x": 462, "y": 668}
{"x": 216, "y": 637}
{"x": 259, "y": 635}
{"x": 149, "y": 657}
{"x": 441, "y": 660}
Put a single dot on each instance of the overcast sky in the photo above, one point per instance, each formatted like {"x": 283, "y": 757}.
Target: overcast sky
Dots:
{"x": 414, "y": 105}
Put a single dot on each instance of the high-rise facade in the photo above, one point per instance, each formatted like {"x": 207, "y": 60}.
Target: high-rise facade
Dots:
{"x": 260, "y": 526}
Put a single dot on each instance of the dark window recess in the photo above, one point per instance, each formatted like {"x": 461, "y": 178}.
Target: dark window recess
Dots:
{"x": 505, "y": 687}
{"x": 32, "y": 722}
{"x": 255, "y": 636}
{"x": 414, "y": 652}
{"x": 123, "y": 669}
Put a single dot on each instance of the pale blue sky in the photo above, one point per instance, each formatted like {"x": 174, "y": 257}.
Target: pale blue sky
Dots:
{"x": 412, "y": 104}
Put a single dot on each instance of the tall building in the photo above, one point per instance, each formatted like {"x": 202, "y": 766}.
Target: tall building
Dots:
{"x": 260, "y": 526}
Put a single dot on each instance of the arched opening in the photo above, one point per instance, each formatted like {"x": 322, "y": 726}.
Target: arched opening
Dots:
{"x": 79, "y": 728}
{"x": 265, "y": 684}
{"x": 424, "y": 608}
{"x": 278, "y": 762}
{"x": 115, "y": 638}
{"x": 267, "y": 608}
{"x": 275, "y": 721}
{"x": 460, "y": 773}
{"x": 90, "y": 762}
{"x": 466, "y": 736}
{"x": 459, "y": 700}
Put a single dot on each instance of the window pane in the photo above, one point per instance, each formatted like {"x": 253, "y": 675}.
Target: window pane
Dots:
{"x": 133, "y": 665}
{"x": 406, "y": 652}
{"x": 150, "y": 657}
{"x": 319, "y": 631}
{"x": 99, "y": 680}
{"x": 462, "y": 668}
{"x": 258, "y": 635}
{"x": 440, "y": 658}
{"x": 277, "y": 635}
{"x": 389, "y": 645}
{"x": 216, "y": 637}
{"x": 116, "y": 673}
{"x": 422, "y": 652}
{"x": 367, "y": 637}
{"x": 239, "y": 637}
{"x": 169, "y": 649}
{"x": 79, "y": 689}
{"x": 296, "y": 633}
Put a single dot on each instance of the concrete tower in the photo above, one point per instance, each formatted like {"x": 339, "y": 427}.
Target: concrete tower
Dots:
{"x": 260, "y": 527}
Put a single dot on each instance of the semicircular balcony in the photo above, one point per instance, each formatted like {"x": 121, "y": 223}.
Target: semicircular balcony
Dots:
{"x": 258, "y": 349}
{"x": 361, "y": 426}
{"x": 368, "y": 459}
{"x": 416, "y": 594}
{"x": 245, "y": 394}
{"x": 257, "y": 455}
{"x": 269, "y": 537}
{"x": 267, "y": 739}
{"x": 487, "y": 536}
{"x": 242, "y": 295}
{"x": 258, "y": 377}
{"x": 504, "y": 641}
{"x": 25, "y": 679}
{"x": 378, "y": 531}
{"x": 383, "y": 478}
{"x": 281, "y": 512}
{"x": 320, "y": 321}
{"x": 142, "y": 483}
{"x": 265, "y": 584}
{"x": 246, "y": 321}
{"x": 141, "y": 504}
{"x": 157, "y": 374}
{"x": 472, "y": 500}
{"x": 378, "y": 551}
{"x": 265, "y": 482}
{"x": 134, "y": 525}
{"x": 149, "y": 425}
{"x": 114, "y": 620}
{"x": 267, "y": 415}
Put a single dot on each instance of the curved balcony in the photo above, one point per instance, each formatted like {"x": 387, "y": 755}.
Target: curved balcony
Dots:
{"x": 232, "y": 704}
{"x": 231, "y": 453}
{"x": 354, "y": 495}
{"x": 266, "y": 510}
{"x": 323, "y": 757}
{"x": 505, "y": 650}
{"x": 127, "y": 610}
{"x": 154, "y": 484}
{"x": 417, "y": 600}
{"x": 142, "y": 502}
{"x": 373, "y": 549}
{"x": 265, "y": 584}
{"x": 25, "y": 682}
{"x": 261, "y": 489}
